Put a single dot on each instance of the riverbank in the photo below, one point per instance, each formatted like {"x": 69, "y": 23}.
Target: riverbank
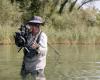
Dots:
{"x": 65, "y": 42}
{"x": 89, "y": 36}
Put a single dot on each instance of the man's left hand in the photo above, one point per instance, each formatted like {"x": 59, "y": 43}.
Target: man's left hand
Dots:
{"x": 35, "y": 45}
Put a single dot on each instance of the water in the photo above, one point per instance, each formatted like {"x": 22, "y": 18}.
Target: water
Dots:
{"x": 77, "y": 62}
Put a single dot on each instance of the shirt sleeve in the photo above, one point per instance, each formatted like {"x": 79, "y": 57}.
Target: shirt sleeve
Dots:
{"x": 42, "y": 44}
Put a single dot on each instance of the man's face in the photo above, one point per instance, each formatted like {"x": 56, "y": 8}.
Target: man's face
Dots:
{"x": 34, "y": 28}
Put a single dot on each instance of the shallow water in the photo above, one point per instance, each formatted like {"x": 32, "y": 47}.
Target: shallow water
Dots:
{"x": 76, "y": 62}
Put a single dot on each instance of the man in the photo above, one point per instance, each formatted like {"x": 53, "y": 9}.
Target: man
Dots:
{"x": 34, "y": 60}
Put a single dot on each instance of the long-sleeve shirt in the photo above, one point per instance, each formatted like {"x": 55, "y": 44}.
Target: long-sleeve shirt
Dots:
{"x": 38, "y": 61}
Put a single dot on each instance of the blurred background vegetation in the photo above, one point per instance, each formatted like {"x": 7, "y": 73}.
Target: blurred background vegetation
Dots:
{"x": 66, "y": 21}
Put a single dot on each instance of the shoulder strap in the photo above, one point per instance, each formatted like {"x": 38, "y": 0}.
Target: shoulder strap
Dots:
{"x": 37, "y": 38}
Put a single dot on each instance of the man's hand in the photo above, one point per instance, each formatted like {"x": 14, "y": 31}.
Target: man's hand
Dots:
{"x": 35, "y": 45}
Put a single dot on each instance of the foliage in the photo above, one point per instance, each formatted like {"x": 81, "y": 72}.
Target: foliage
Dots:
{"x": 8, "y": 13}
{"x": 79, "y": 25}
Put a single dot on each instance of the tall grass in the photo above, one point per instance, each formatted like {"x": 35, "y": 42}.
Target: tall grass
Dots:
{"x": 68, "y": 28}
{"x": 10, "y": 18}
{"x": 73, "y": 28}
{"x": 6, "y": 34}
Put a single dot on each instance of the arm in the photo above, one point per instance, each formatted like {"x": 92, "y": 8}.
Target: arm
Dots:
{"x": 42, "y": 44}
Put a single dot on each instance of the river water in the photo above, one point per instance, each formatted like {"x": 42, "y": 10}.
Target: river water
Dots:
{"x": 74, "y": 62}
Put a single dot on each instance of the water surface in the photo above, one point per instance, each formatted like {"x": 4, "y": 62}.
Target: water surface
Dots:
{"x": 75, "y": 62}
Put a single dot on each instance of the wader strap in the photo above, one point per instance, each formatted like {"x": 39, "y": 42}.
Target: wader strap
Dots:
{"x": 37, "y": 38}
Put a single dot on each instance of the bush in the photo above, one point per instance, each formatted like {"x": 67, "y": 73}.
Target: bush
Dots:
{"x": 9, "y": 14}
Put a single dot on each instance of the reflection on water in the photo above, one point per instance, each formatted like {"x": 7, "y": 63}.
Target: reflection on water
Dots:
{"x": 75, "y": 62}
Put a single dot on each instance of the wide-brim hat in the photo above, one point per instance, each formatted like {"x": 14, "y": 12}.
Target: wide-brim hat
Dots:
{"x": 36, "y": 20}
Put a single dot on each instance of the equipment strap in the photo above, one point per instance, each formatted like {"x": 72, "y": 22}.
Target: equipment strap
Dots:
{"x": 37, "y": 37}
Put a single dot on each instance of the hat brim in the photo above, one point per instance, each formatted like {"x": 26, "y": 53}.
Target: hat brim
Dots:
{"x": 35, "y": 21}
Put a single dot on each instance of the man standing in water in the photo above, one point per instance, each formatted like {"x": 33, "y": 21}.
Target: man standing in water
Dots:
{"x": 34, "y": 60}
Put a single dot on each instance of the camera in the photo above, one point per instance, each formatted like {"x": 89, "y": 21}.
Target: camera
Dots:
{"x": 21, "y": 41}
{"x": 21, "y": 36}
